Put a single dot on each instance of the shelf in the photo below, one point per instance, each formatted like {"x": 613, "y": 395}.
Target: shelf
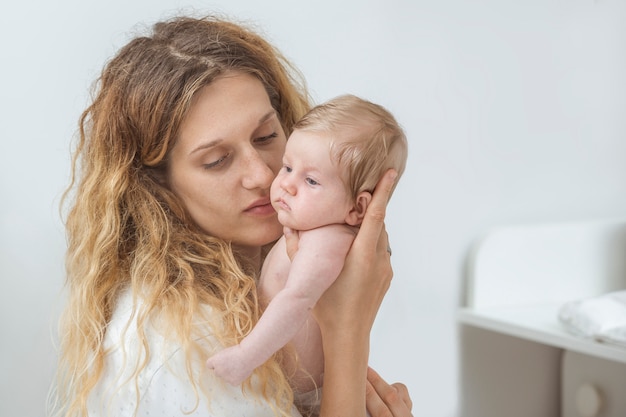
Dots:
{"x": 538, "y": 323}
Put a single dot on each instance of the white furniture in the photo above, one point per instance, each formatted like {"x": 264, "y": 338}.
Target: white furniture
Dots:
{"x": 516, "y": 358}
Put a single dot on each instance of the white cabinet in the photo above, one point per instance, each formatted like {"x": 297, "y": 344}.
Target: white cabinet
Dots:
{"x": 516, "y": 358}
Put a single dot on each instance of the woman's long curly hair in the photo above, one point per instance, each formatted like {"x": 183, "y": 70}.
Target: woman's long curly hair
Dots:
{"x": 127, "y": 230}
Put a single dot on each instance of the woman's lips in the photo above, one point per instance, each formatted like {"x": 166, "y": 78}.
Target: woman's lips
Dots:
{"x": 260, "y": 207}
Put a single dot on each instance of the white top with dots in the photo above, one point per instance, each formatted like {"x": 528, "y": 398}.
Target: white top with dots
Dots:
{"x": 163, "y": 387}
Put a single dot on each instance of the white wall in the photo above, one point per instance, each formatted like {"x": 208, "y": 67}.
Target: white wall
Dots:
{"x": 514, "y": 112}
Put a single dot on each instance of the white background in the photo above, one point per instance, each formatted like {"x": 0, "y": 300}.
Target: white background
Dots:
{"x": 515, "y": 113}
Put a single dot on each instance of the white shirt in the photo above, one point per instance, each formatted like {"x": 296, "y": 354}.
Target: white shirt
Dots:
{"x": 162, "y": 387}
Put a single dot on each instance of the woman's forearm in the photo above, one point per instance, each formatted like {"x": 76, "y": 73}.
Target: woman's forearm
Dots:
{"x": 345, "y": 375}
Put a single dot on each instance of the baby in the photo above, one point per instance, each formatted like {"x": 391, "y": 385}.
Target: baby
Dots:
{"x": 333, "y": 160}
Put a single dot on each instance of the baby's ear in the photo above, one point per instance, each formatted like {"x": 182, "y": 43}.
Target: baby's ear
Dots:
{"x": 355, "y": 216}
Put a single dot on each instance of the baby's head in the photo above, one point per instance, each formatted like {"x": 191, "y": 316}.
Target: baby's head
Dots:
{"x": 366, "y": 140}
{"x": 334, "y": 158}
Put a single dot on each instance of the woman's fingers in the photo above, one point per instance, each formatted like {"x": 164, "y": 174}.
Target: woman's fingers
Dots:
{"x": 357, "y": 293}
{"x": 403, "y": 392}
{"x": 375, "y": 214}
{"x": 384, "y": 400}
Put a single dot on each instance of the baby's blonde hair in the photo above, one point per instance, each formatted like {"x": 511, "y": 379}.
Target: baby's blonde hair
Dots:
{"x": 366, "y": 139}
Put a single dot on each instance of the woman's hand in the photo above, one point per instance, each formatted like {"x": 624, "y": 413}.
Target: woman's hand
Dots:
{"x": 346, "y": 313}
{"x": 352, "y": 302}
{"x": 386, "y": 400}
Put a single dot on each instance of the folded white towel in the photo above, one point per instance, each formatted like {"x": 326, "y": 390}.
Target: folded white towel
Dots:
{"x": 602, "y": 318}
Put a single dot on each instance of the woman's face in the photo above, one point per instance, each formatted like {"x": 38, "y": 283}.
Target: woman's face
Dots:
{"x": 229, "y": 150}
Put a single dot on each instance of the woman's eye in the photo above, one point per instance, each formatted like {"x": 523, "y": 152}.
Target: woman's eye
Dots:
{"x": 217, "y": 163}
{"x": 311, "y": 181}
{"x": 268, "y": 138}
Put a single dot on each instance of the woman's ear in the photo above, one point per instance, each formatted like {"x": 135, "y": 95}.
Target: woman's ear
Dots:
{"x": 159, "y": 175}
{"x": 355, "y": 216}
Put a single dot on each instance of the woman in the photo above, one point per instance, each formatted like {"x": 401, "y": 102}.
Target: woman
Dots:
{"x": 168, "y": 226}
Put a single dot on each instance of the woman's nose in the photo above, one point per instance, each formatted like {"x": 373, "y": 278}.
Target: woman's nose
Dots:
{"x": 258, "y": 172}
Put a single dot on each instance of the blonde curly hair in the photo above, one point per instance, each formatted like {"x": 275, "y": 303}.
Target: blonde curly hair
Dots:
{"x": 127, "y": 230}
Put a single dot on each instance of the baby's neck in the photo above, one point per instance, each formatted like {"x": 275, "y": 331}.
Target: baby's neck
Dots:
{"x": 353, "y": 229}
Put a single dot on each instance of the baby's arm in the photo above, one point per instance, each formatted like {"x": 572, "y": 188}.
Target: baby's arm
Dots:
{"x": 314, "y": 268}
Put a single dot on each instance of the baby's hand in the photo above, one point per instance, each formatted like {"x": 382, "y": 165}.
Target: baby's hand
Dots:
{"x": 229, "y": 364}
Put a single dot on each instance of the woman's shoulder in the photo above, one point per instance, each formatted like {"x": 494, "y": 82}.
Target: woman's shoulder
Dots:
{"x": 140, "y": 361}
{"x": 136, "y": 340}
{"x": 129, "y": 322}
{"x": 151, "y": 376}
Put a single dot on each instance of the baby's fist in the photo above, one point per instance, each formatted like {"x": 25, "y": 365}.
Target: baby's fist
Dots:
{"x": 229, "y": 365}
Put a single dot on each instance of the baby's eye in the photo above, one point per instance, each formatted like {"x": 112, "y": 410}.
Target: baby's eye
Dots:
{"x": 287, "y": 168}
{"x": 311, "y": 181}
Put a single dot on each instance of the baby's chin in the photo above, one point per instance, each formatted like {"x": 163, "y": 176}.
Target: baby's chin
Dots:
{"x": 286, "y": 220}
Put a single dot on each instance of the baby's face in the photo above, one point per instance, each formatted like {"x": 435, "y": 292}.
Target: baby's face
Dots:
{"x": 308, "y": 191}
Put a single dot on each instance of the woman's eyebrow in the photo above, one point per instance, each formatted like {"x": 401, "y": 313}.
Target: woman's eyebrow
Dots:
{"x": 205, "y": 145}
{"x": 267, "y": 116}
